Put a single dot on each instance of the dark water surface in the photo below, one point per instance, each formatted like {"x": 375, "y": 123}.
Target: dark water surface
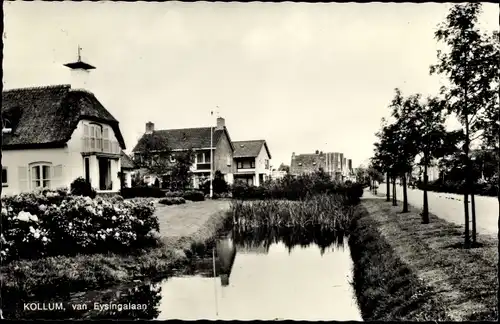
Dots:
{"x": 265, "y": 274}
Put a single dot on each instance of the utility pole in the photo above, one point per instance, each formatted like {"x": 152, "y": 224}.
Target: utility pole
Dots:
{"x": 211, "y": 157}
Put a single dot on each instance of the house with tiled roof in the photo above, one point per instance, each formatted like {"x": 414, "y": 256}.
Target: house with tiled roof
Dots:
{"x": 252, "y": 159}
{"x": 55, "y": 134}
{"x": 204, "y": 141}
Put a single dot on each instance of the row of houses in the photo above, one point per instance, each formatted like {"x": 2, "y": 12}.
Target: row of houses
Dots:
{"x": 55, "y": 134}
{"x": 247, "y": 161}
{"x": 334, "y": 164}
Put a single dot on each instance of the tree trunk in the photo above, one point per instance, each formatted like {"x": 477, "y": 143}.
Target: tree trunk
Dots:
{"x": 473, "y": 209}
{"x": 394, "y": 198}
{"x": 425, "y": 211}
{"x": 388, "y": 193}
{"x": 405, "y": 195}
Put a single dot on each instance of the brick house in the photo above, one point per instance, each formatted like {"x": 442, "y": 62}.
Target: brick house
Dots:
{"x": 334, "y": 164}
{"x": 199, "y": 140}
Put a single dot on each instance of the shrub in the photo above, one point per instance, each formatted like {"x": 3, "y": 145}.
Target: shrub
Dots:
{"x": 143, "y": 192}
{"x": 296, "y": 188}
{"x": 194, "y": 195}
{"x": 172, "y": 201}
{"x": 174, "y": 194}
{"x": 81, "y": 187}
{"x": 45, "y": 223}
{"x": 219, "y": 185}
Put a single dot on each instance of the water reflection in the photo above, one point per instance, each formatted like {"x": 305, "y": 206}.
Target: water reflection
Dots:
{"x": 300, "y": 274}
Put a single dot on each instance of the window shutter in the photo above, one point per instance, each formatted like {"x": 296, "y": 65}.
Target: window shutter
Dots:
{"x": 56, "y": 176}
{"x": 86, "y": 134}
{"x": 105, "y": 140}
{"x": 23, "y": 178}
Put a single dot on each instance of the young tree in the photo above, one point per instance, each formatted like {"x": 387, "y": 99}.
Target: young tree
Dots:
{"x": 181, "y": 170}
{"x": 388, "y": 155}
{"x": 429, "y": 137}
{"x": 404, "y": 138}
{"x": 154, "y": 156}
{"x": 469, "y": 92}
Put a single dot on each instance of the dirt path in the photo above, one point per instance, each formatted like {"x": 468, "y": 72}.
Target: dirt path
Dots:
{"x": 186, "y": 219}
{"x": 465, "y": 279}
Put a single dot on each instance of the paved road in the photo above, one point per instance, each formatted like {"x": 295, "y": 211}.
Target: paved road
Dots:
{"x": 451, "y": 207}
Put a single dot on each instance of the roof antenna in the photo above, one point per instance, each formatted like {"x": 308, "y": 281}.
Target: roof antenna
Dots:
{"x": 79, "y": 54}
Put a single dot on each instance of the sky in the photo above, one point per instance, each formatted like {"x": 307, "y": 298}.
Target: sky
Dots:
{"x": 302, "y": 76}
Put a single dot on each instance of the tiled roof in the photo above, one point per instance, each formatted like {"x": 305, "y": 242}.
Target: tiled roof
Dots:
{"x": 49, "y": 115}
{"x": 185, "y": 138}
{"x": 249, "y": 148}
{"x": 304, "y": 163}
{"x": 126, "y": 162}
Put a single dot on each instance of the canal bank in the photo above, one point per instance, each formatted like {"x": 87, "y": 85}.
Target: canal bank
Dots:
{"x": 56, "y": 278}
{"x": 405, "y": 270}
{"x": 277, "y": 274}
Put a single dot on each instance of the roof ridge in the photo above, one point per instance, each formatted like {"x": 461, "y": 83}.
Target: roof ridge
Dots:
{"x": 170, "y": 129}
{"x": 39, "y": 87}
{"x": 260, "y": 140}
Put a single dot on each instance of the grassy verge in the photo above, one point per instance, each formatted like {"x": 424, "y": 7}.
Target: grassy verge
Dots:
{"x": 405, "y": 270}
{"x": 49, "y": 277}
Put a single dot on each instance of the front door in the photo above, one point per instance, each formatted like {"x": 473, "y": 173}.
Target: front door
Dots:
{"x": 105, "y": 174}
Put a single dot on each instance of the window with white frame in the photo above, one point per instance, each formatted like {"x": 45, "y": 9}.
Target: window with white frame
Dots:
{"x": 202, "y": 157}
{"x": 93, "y": 137}
{"x": 40, "y": 175}
{"x": 4, "y": 177}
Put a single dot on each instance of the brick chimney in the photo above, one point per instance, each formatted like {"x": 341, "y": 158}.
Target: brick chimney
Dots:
{"x": 150, "y": 127}
{"x": 221, "y": 123}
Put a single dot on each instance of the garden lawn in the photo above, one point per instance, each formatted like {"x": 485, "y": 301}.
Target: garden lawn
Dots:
{"x": 181, "y": 227}
{"x": 463, "y": 281}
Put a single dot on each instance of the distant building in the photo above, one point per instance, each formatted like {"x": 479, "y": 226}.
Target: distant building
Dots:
{"x": 278, "y": 174}
{"x": 334, "y": 164}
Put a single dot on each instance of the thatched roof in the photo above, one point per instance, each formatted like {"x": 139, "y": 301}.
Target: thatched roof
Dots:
{"x": 185, "y": 138}
{"x": 47, "y": 116}
{"x": 249, "y": 148}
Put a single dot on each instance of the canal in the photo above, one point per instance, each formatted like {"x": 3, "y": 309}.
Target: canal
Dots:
{"x": 259, "y": 275}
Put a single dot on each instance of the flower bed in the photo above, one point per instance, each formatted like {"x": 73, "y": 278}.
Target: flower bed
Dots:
{"x": 172, "y": 201}
{"x": 49, "y": 223}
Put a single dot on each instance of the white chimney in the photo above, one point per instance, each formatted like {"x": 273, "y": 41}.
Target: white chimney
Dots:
{"x": 79, "y": 73}
{"x": 150, "y": 127}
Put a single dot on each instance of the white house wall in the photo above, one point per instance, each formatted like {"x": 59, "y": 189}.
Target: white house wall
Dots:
{"x": 69, "y": 158}
{"x": 260, "y": 164}
{"x": 13, "y": 159}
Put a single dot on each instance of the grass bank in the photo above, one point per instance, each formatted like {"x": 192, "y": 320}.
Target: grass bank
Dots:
{"x": 405, "y": 270}
{"x": 59, "y": 276}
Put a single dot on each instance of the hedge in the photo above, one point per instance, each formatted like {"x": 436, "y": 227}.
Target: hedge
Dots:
{"x": 50, "y": 222}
